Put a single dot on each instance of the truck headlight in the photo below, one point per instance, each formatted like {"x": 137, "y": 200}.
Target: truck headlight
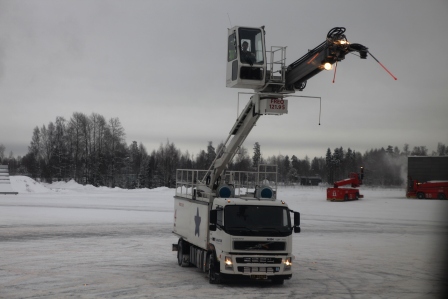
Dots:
{"x": 228, "y": 262}
{"x": 288, "y": 263}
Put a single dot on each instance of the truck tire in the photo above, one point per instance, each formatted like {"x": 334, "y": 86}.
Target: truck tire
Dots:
{"x": 346, "y": 197}
{"x": 180, "y": 253}
{"x": 420, "y": 195}
{"x": 441, "y": 196}
{"x": 213, "y": 271}
{"x": 357, "y": 196}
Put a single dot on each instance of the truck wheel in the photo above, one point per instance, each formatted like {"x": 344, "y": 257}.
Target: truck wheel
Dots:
{"x": 180, "y": 253}
{"x": 420, "y": 195}
{"x": 357, "y": 196}
{"x": 346, "y": 197}
{"x": 441, "y": 196}
{"x": 213, "y": 270}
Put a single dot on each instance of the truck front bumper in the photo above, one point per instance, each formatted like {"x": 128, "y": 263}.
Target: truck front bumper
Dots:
{"x": 236, "y": 277}
{"x": 257, "y": 267}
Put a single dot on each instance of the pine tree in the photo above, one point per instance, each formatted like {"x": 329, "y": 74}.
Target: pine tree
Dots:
{"x": 286, "y": 165}
{"x": 256, "y": 158}
{"x": 211, "y": 154}
{"x": 442, "y": 149}
{"x": 2, "y": 153}
{"x": 201, "y": 160}
{"x": 329, "y": 167}
{"x": 242, "y": 161}
{"x": 295, "y": 163}
{"x": 419, "y": 151}
{"x": 306, "y": 166}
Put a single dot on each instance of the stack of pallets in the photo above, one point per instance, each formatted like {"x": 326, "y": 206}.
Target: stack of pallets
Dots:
{"x": 5, "y": 183}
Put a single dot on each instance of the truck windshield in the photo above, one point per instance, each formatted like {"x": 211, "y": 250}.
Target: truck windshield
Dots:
{"x": 257, "y": 220}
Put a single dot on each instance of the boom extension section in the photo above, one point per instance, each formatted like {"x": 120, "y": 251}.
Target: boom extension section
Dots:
{"x": 259, "y": 104}
{"x": 332, "y": 50}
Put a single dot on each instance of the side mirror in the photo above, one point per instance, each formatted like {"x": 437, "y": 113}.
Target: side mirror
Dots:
{"x": 213, "y": 216}
{"x": 213, "y": 219}
{"x": 296, "y": 218}
{"x": 296, "y": 222}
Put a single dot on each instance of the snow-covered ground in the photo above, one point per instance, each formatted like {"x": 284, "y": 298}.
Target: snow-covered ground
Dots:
{"x": 68, "y": 240}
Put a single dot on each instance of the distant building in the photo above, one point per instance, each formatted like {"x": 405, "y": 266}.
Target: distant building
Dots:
{"x": 310, "y": 180}
{"x": 425, "y": 169}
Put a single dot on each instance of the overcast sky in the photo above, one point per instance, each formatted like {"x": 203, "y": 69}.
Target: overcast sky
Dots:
{"x": 160, "y": 67}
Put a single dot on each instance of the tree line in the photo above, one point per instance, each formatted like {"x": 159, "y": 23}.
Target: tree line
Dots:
{"x": 93, "y": 150}
{"x": 381, "y": 167}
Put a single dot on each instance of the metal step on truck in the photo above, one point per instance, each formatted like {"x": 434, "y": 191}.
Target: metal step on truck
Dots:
{"x": 243, "y": 232}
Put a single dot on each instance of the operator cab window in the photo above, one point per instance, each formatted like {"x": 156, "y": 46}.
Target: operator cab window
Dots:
{"x": 251, "y": 53}
{"x": 251, "y": 46}
{"x": 232, "y": 48}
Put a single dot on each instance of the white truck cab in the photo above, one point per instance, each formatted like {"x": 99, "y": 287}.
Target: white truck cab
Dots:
{"x": 244, "y": 233}
{"x": 252, "y": 237}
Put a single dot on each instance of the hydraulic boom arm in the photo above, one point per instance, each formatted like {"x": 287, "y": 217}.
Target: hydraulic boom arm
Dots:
{"x": 252, "y": 73}
{"x": 332, "y": 50}
{"x": 241, "y": 129}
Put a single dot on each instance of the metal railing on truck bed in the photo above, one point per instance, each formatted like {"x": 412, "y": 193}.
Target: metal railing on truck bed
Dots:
{"x": 190, "y": 182}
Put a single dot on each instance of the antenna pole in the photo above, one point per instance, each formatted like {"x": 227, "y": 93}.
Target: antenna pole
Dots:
{"x": 229, "y": 20}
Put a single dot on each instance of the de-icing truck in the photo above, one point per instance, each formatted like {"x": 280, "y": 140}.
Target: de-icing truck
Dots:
{"x": 230, "y": 224}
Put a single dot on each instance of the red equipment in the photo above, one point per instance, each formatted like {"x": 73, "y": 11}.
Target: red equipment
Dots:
{"x": 429, "y": 189}
{"x": 344, "y": 194}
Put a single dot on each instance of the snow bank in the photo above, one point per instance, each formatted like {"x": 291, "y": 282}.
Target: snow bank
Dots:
{"x": 24, "y": 184}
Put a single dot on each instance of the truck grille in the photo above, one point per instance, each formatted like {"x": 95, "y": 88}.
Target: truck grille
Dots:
{"x": 265, "y": 270}
{"x": 258, "y": 245}
{"x": 258, "y": 260}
